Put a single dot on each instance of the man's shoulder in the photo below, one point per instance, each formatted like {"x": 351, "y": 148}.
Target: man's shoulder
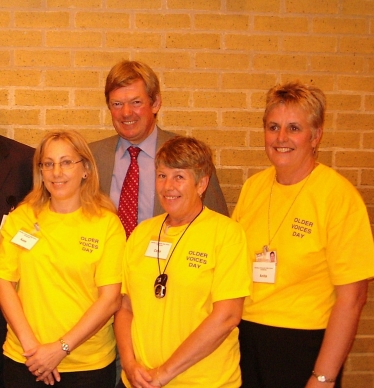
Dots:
{"x": 10, "y": 143}
{"x": 15, "y": 148}
{"x": 163, "y": 136}
{"x": 100, "y": 145}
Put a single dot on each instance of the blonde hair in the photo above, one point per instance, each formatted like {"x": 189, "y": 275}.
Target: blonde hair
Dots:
{"x": 92, "y": 199}
{"x": 308, "y": 97}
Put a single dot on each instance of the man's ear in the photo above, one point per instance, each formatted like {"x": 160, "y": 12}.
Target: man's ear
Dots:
{"x": 156, "y": 104}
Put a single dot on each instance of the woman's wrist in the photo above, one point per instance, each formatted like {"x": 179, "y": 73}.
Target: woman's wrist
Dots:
{"x": 158, "y": 377}
{"x": 323, "y": 378}
{"x": 163, "y": 377}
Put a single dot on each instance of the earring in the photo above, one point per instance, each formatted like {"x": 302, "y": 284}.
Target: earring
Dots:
{"x": 85, "y": 176}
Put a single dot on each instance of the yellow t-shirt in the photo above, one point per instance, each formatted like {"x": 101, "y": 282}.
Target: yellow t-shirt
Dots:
{"x": 321, "y": 233}
{"x": 58, "y": 278}
{"x": 209, "y": 264}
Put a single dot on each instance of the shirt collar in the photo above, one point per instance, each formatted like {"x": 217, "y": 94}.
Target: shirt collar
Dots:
{"x": 148, "y": 145}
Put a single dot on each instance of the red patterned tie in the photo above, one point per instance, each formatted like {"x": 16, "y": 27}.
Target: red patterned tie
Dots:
{"x": 128, "y": 201}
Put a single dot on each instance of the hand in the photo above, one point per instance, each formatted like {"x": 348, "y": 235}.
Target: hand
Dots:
{"x": 157, "y": 379}
{"x": 138, "y": 376}
{"x": 50, "y": 379}
{"x": 43, "y": 360}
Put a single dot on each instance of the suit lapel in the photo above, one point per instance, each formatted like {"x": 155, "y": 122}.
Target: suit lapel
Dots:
{"x": 162, "y": 137}
{"x": 109, "y": 149}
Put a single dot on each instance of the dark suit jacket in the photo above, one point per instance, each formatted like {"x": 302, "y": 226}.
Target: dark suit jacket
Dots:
{"x": 15, "y": 183}
{"x": 104, "y": 150}
{"x": 15, "y": 173}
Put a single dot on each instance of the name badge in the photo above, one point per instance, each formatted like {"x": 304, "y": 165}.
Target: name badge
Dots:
{"x": 163, "y": 249}
{"x": 3, "y": 220}
{"x": 264, "y": 272}
{"x": 24, "y": 239}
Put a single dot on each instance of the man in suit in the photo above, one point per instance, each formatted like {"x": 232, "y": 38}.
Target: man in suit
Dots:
{"x": 132, "y": 93}
{"x": 15, "y": 183}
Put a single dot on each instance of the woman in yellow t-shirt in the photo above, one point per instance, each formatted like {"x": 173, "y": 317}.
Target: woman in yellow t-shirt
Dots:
{"x": 299, "y": 325}
{"x": 60, "y": 264}
{"x": 185, "y": 276}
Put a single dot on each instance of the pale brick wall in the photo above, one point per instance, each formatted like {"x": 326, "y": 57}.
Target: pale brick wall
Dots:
{"x": 215, "y": 59}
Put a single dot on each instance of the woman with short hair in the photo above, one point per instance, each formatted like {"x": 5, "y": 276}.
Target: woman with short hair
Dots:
{"x": 301, "y": 320}
{"x": 185, "y": 276}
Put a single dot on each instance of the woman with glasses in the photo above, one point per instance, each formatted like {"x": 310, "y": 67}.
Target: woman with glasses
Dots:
{"x": 60, "y": 273}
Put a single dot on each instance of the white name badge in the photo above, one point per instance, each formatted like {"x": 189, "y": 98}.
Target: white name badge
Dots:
{"x": 163, "y": 249}
{"x": 3, "y": 220}
{"x": 264, "y": 272}
{"x": 24, "y": 239}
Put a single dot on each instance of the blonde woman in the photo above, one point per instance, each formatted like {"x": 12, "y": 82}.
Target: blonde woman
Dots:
{"x": 60, "y": 270}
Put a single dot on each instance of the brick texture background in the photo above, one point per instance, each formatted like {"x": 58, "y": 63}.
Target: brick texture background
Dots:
{"x": 216, "y": 59}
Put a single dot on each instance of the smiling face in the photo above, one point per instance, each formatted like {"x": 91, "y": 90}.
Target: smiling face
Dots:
{"x": 179, "y": 194}
{"x": 133, "y": 113}
{"x": 63, "y": 184}
{"x": 290, "y": 142}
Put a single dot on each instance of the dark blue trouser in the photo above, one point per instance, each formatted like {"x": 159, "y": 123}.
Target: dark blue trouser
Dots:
{"x": 276, "y": 357}
{"x": 16, "y": 375}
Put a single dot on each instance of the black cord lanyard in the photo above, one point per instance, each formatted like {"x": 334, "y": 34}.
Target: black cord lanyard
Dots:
{"x": 160, "y": 283}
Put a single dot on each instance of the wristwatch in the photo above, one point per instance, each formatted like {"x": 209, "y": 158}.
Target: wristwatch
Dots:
{"x": 65, "y": 346}
{"x": 322, "y": 378}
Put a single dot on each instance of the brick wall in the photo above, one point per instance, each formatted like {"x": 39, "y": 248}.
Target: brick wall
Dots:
{"x": 215, "y": 59}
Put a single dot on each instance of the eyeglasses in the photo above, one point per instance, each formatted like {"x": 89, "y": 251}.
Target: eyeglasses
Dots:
{"x": 65, "y": 165}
